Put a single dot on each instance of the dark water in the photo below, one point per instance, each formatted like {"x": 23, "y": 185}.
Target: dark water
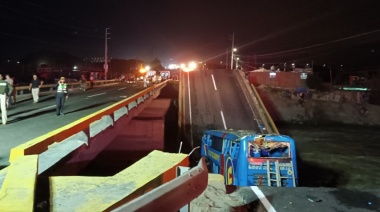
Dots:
{"x": 337, "y": 156}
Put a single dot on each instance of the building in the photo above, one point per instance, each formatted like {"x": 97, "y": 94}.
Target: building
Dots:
{"x": 293, "y": 79}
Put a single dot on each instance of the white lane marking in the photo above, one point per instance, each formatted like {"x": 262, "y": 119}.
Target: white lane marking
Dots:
{"x": 224, "y": 121}
{"x": 263, "y": 199}
{"x": 213, "y": 80}
{"x": 122, "y": 88}
{"x": 43, "y": 108}
{"x": 15, "y": 116}
{"x": 97, "y": 94}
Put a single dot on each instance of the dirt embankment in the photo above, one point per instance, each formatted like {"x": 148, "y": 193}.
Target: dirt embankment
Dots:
{"x": 327, "y": 108}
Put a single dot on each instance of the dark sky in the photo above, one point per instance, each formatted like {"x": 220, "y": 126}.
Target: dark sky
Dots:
{"x": 276, "y": 31}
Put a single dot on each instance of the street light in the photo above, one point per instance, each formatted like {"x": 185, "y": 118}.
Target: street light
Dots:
{"x": 190, "y": 67}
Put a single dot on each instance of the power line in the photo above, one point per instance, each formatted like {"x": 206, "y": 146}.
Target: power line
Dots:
{"x": 320, "y": 44}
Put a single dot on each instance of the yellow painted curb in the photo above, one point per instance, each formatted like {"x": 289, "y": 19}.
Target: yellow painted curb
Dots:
{"x": 103, "y": 193}
{"x": 17, "y": 192}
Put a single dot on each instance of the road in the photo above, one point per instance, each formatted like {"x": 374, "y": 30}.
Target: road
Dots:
{"x": 261, "y": 199}
{"x": 27, "y": 120}
{"x": 217, "y": 102}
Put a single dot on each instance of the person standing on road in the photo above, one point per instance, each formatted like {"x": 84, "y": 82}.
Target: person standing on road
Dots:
{"x": 35, "y": 86}
{"x": 61, "y": 96}
{"x": 14, "y": 93}
{"x": 145, "y": 82}
{"x": 92, "y": 80}
{"x": 83, "y": 83}
{"x": 5, "y": 89}
{"x": 9, "y": 97}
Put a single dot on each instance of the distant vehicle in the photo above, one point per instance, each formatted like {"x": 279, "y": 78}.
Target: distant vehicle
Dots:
{"x": 246, "y": 158}
{"x": 130, "y": 78}
{"x": 165, "y": 74}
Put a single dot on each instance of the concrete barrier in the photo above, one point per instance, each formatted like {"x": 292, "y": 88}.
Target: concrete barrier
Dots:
{"x": 79, "y": 193}
{"x": 17, "y": 191}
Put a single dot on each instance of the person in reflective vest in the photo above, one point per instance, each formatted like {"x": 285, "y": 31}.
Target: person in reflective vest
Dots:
{"x": 5, "y": 89}
{"x": 61, "y": 95}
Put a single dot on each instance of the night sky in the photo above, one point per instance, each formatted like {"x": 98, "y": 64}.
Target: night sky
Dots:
{"x": 272, "y": 32}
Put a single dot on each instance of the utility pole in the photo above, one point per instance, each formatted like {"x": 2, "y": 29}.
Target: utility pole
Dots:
{"x": 106, "y": 55}
{"x": 226, "y": 58}
{"x": 232, "y": 51}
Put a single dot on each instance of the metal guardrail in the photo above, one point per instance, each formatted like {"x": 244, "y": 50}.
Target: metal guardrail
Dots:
{"x": 173, "y": 195}
{"x": 24, "y": 90}
{"x": 269, "y": 121}
{"x": 252, "y": 95}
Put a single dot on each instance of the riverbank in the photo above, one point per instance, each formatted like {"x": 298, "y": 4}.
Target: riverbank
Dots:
{"x": 336, "y": 142}
{"x": 284, "y": 107}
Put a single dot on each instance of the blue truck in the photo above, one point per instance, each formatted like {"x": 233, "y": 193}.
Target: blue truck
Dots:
{"x": 247, "y": 158}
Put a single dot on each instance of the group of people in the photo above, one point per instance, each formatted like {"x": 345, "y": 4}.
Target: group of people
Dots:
{"x": 61, "y": 92}
{"x": 8, "y": 94}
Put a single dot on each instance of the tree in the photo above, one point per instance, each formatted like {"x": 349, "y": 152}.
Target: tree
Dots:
{"x": 156, "y": 65}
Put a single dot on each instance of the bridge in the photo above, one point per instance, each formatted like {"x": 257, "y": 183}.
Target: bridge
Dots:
{"x": 84, "y": 161}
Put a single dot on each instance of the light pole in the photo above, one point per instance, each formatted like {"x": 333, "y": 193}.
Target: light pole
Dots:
{"x": 232, "y": 57}
{"x": 106, "y": 55}
{"x": 226, "y": 58}
{"x": 232, "y": 51}
{"x": 331, "y": 81}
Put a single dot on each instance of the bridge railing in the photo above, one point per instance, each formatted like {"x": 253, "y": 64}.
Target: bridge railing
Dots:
{"x": 40, "y": 144}
{"x": 45, "y": 89}
{"x": 172, "y": 195}
{"x": 264, "y": 120}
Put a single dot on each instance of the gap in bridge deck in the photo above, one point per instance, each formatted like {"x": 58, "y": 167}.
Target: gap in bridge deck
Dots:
{"x": 154, "y": 128}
